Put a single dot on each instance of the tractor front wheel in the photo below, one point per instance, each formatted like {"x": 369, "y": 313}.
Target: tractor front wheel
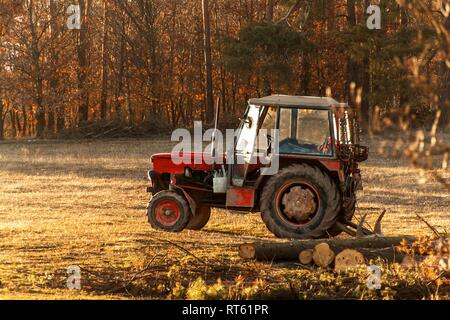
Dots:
{"x": 200, "y": 219}
{"x": 300, "y": 202}
{"x": 168, "y": 211}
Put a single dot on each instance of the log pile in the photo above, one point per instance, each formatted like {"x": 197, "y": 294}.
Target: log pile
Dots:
{"x": 289, "y": 251}
{"x": 345, "y": 254}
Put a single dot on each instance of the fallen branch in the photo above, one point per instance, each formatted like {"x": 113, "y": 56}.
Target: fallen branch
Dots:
{"x": 182, "y": 249}
{"x": 437, "y": 233}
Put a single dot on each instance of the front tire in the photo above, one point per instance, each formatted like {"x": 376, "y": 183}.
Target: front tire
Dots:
{"x": 300, "y": 202}
{"x": 168, "y": 211}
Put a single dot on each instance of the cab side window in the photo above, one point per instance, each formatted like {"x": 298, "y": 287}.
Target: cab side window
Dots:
{"x": 305, "y": 131}
{"x": 266, "y": 130}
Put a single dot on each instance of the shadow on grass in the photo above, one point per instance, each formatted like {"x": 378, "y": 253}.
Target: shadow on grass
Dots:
{"x": 80, "y": 170}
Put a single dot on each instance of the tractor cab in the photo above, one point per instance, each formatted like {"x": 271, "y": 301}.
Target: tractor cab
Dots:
{"x": 290, "y": 127}
{"x": 294, "y": 159}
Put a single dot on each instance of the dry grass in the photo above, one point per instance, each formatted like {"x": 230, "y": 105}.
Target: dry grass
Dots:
{"x": 83, "y": 203}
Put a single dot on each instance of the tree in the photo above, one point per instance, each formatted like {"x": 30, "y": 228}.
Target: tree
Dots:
{"x": 104, "y": 89}
{"x": 150, "y": 64}
{"x": 36, "y": 72}
{"x": 2, "y": 118}
{"x": 83, "y": 61}
{"x": 267, "y": 49}
{"x": 208, "y": 62}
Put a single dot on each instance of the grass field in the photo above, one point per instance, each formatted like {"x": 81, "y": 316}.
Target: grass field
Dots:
{"x": 66, "y": 203}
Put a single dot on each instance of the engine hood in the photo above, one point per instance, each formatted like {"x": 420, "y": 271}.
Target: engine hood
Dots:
{"x": 176, "y": 163}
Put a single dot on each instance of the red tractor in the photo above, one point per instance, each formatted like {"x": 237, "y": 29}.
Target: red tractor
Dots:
{"x": 310, "y": 194}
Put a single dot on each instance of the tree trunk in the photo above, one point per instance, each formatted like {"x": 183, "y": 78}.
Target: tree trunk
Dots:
{"x": 266, "y": 251}
{"x": 36, "y": 74}
{"x": 2, "y": 120}
{"x": 208, "y": 62}
{"x": 12, "y": 120}
{"x": 269, "y": 10}
{"x": 51, "y": 121}
{"x": 267, "y": 86}
{"x": 55, "y": 107}
{"x": 365, "y": 83}
{"x": 83, "y": 109}
{"x": 25, "y": 122}
{"x": 119, "y": 84}
{"x": 221, "y": 67}
{"x": 305, "y": 75}
{"x": 444, "y": 100}
{"x": 331, "y": 8}
{"x": 352, "y": 66}
{"x": 104, "y": 90}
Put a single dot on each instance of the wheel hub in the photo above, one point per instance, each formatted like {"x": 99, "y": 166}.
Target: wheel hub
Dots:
{"x": 167, "y": 213}
{"x": 299, "y": 204}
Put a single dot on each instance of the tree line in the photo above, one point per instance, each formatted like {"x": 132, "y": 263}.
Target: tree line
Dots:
{"x": 162, "y": 63}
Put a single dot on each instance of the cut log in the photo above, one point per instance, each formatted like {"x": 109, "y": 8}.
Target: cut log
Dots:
{"x": 289, "y": 251}
{"x": 349, "y": 259}
{"x": 247, "y": 251}
{"x": 322, "y": 255}
{"x": 306, "y": 257}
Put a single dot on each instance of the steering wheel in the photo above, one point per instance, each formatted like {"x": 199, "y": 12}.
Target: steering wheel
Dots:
{"x": 326, "y": 146}
{"x": 269, "y": 142}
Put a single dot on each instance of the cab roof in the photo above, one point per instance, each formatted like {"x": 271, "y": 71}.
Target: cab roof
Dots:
{"x": 294, "y": 101}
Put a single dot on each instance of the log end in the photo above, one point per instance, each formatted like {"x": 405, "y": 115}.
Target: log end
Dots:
{"x": 247, "y": 251}
{"x": 306, "y": 257}
{"x": 323, "y": 256}
{"x": 349, "y": 259}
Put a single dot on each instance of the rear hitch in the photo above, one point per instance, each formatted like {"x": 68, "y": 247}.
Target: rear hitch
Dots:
{"x": 359, "y": 231}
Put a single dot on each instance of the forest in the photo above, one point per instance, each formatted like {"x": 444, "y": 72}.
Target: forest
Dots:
{"x": 68, "y": 67}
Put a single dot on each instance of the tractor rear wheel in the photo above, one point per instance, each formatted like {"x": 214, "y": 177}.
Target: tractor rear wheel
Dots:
{"x": 168, "y": 211}
{"x": 300, "y": 202}
{"x": 346, "y": 214}
{"x": 200, "y": 219}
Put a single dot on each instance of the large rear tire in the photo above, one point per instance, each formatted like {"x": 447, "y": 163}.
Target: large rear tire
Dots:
{"x": 200, "y": 219}
{"x": 168, "y": 211}
{"x": 346, "y": 214}
{"x": 300, "y": 202}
